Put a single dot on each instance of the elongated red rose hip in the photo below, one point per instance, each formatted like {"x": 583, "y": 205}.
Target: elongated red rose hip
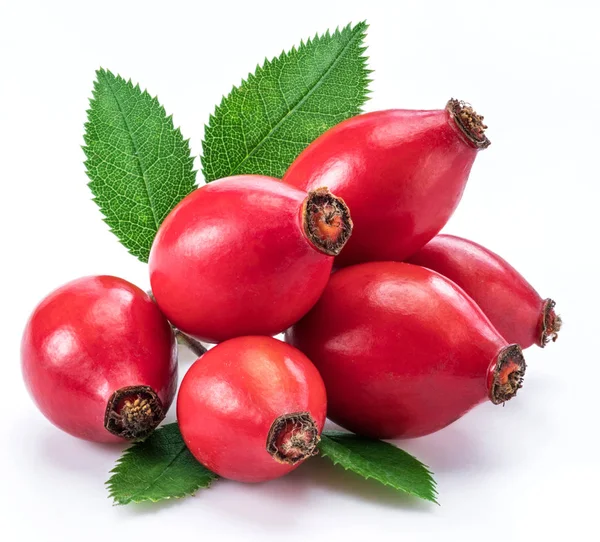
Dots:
{"x": 252, "y": 409}
{"x": 403, "y": 351}
{"x": 508, "y": 300}
{"x": 402, "y": 173}
{"x": 246, "y": 255}
{"x": 100, "y": 360}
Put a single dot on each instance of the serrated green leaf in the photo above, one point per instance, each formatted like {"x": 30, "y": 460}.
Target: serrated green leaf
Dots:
{"x": 159, "y": 468}
{"x": 381, "y": 461}
{"x": 263, "y": 124}
{"x": 139, "y": 165}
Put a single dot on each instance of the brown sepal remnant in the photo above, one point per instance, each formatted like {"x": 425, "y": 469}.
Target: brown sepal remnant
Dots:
{"x": 469, "y": 122}
{"x": 293, "y": 437}
{"x": 550, "y": 323}
{"x": 133, "y": 412}
{"x": 326, "y": 220}
{"x": 508, "y": 374}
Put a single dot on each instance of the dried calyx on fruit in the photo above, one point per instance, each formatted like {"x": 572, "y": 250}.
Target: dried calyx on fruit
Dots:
{"x": 469, "y": 122}
{"x": 133, "y": 412}
{"x": 551, "y": 323}
{"x": 326, "y": 221}
{"x": 293, "y": 437}
{"x": 506, "y": 374}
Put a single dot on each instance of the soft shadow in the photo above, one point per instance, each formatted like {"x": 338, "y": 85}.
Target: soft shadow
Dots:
{"x": 333, "y": 477}
{"x": 149, "y": 508}
{"x": 71, "y": 454}
{"x": 452, "y": 449}
{"x": 285, "y": 495}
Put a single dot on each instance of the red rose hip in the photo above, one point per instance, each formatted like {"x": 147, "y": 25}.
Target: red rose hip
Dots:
{"x": 401, "y": 172}
{"x": 246, "y": 255}
{"x": 403, "y": 351}
{"x": 100, "y": 360}
{"x": 513, "y": 306}
{"x": 252, "y": 409}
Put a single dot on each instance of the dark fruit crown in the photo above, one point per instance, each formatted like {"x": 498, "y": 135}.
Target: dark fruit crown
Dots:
{"x": 133, "y": 412}
{"x": 326, "y": 220}
{"x": 551, "y": 323}
{"x": 468, "y": 122}
{"x": 292, "y": 438}
{"x": 508, "y": 374}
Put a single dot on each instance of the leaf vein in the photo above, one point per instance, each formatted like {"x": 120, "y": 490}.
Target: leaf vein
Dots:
{"x": 135, "y": 147}
{"x": 311, "y": 91}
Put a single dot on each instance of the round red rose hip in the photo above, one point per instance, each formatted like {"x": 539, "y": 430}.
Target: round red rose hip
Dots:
{"x": 252, "y": 409}
{"x": 100, "y": 360}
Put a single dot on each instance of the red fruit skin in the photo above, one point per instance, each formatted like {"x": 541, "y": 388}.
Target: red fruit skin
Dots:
{"x": 513, "y": 306}
{"x": 232, "y": 259}
{"x": 88, "y": 339}
{"x": 402, "y": 173}
{"x": 230, "y": 397}
{"x": 402, "y": 350}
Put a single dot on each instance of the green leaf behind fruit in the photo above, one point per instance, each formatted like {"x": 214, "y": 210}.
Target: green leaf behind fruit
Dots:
{"x": 381, "y": 461}
{"x": 139, "y": 165}
{"x": 159, "y": 468}
{"x": 263, "y": 124}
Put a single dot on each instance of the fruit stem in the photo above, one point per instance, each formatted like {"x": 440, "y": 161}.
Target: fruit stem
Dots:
{"x": 195, "y": 346}
{"x": 468, "y": 122}
{"x": 326, "y": 221}
{"x": 506, "y": 374}
{"x": 293, "y": 437}
{"x": 550, "y": 323}
{"x": 133, "y": 412}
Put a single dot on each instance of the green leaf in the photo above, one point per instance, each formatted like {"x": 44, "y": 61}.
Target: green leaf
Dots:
{"x": 159, "y": 468}
{"x": 139, "y": 165}
{"x": 263, "y": 124}
{"x": 381, "y": 461}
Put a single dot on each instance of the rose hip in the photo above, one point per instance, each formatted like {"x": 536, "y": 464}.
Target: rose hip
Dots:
{"x": 246, "y": 255}
{"x": 252, "y": 409}
{"x": 402, "y": 173}
{"x": 100, "y": 360}
{"x": 513, "y": 306}
{"x": 403, "y": 351}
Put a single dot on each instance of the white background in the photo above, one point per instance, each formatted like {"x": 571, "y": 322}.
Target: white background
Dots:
{"x": 524, "y": 472}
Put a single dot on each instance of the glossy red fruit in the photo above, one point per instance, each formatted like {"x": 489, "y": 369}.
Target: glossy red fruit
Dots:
{"x": 508, "y": 300}
{"x": 246, "y": 255}
{"x": 252, "y": 409}
{"x": 404, "y": 351}
{"x": 402, "y": 173}
{"x": 100, "y": 360}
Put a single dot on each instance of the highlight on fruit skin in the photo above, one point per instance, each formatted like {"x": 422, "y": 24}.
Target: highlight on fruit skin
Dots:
{"x": 511, "y": 303}
{"x": 401, "y": 173}
{"x": 404, "y": 351}
{"x": 246, "y": 255}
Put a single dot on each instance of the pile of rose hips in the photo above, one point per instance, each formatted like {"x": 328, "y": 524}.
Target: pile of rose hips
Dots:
{"x": 384, "y": 348}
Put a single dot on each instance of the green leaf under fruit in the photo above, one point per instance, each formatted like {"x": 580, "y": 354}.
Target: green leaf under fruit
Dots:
{"x": 263, "y": 124}
{"x": 159, "y": 468}
{"x": 139, "y": 165}
{"x": 381, "y": 461}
